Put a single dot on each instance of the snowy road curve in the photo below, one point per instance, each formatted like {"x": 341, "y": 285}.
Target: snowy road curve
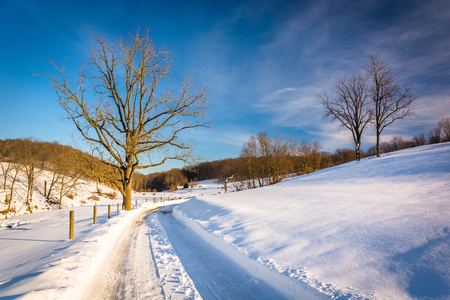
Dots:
{"x": 160, "y": 258}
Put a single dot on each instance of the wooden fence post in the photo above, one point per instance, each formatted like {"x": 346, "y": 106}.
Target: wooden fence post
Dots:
{"x": 118, "y": 208}
{"x": 71, "y": 226}
{"x": 109, "y": 211}
{"x": 95, "y": 214}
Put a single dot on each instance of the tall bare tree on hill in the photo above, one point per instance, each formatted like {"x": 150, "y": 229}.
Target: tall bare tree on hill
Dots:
{"x": 349, "y": 104}
{"x": 117, "y": 104}
{"x": 391, "y": 101}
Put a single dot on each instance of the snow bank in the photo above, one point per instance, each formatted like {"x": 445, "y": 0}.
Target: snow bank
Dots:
{"x": 375, "y": 229}
{"x": 287, "y": 286}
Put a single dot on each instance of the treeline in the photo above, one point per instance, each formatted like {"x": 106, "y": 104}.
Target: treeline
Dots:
{"x": 25, "y": 157}
{"x": 439, "y": 134}
{"x": 267, "y": 160}
{"x": 263, "y": 160}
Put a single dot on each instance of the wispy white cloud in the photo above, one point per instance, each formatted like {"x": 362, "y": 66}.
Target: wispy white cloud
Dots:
{"x": 223, "y": 136}
{"x": 291, "y": 107}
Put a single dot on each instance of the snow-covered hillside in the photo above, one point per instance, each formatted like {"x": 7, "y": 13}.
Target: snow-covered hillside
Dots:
{"x": 84, "y": 193}
{"x": 376, "y": 229}
{"x": 379, "y": 228}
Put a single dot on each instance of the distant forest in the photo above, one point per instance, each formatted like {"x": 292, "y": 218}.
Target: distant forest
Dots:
{"x": 263, "y": 160}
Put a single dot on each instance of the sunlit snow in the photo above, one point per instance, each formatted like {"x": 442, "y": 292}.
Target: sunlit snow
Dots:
{"x": 376, "y": 229}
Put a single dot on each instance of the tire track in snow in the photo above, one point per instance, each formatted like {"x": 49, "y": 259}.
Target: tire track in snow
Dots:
{"x": 215, "y": 276}
{"x": 141, "y": 280}
{"x": 174, "y": 279}
{"x": 129, "y": 271}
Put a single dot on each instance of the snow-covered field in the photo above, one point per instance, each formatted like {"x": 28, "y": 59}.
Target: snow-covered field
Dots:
{"x": 378, "y": 228}
{"x": 375, "y": 229}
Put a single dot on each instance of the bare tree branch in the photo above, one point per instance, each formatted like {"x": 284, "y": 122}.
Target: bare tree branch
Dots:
{"x": 123, "y": 110}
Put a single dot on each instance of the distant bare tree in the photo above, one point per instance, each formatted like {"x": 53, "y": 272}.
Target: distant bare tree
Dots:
{"x": 268, "y": 158}
{"x": 397, "y": 143}
{"x": 434, "y": 136}
{"x": 5, "y": 167}
{"x": 419, "y": 139}
{"x": 282, "y": 149}
{"x": 444, "y": 125}
{"x": 441, "y": 132}
{"x": 66, "y": 171}
{"x": 118, "y": 105}
{"x": 250, "y": 153}
{"x": 31, "y": 162}
{"x": 391, "y": 102}
{"x": 68, "y": 180}
{"x": 349, "y": 104}
{"x": 310, "y": 155}
{"x": 15, "y": 168}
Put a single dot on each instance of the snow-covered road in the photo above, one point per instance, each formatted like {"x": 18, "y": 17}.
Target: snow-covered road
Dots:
{"x": 214, "y": 275}
{"x": 129, "y": 271}
{"x": 160, "y": 258}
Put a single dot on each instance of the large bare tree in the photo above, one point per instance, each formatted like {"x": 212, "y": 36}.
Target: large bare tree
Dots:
{"x": 117, "y": 103}
{"x": 391, "y": 101}
{"x": 349, "y": 104}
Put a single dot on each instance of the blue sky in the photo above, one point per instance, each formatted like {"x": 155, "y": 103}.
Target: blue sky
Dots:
{"x": 263, "y": 62}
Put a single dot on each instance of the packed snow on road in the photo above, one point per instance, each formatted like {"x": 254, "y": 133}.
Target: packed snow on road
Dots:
{"x": 375, "y": 229}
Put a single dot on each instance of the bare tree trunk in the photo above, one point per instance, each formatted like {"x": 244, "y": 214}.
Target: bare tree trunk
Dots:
{"x": 11, "y": 194}
{"x": 127, "y": 196}
{"x": 6, "y": 168}
{"x": 61, "y": 196}
{"x": 378, "y": 144}
{"x": 13, "y": 181}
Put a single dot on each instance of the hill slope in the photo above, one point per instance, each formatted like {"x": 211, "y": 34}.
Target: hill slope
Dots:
{"x": 378, "y": 228}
